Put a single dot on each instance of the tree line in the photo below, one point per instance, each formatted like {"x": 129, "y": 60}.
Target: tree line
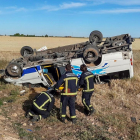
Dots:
{"x": 22, "y": 35}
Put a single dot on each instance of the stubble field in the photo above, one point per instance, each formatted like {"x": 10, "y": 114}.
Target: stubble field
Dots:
{"x": 12, "y": 45}
{"x": 117, "y": 104}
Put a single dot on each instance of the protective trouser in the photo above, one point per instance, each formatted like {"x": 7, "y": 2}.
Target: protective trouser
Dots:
{"x": 70, "y": 100}
{"x": 35, "y": 111}
{"x": 86, "y": 96}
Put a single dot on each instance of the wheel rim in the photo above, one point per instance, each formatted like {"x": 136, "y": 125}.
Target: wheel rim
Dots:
{"x": 96, "y": 39}
{"x": 90, "y": 56}
{"x": 14, "y": 69}
{"x": 27, "y": 53}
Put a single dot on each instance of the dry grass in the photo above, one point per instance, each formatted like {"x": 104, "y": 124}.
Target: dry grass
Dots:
{"x": 136, "y": 44}
{"x": 116, "y": 103}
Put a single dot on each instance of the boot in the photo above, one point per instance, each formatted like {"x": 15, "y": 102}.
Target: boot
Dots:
{"x": 29, "y": 115}
{"x": 35, "y": 118}
{"x": 73, "y": 121}
{"x": 63, "y": 120}
{"x": 86, "y": 112}
{"x": 91, "y": 110}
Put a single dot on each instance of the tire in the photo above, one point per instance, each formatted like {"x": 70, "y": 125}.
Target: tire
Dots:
{"x": 26, "y": 51}
{"x": 91, "y": 53}
{"x": 95, "y": 36}
{"x": 14, "y": 69}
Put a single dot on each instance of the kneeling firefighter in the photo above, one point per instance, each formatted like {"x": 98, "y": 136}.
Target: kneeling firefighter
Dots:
{"x": 42, "y": 105}
{"x": 86, "y": 82}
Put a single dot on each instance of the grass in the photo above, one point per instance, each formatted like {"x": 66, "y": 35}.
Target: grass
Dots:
{"x": 24, "y": 134}
{"x": 9, "y": 92}
{"x": 12, "y": 93}
{"x": 3, "y": 64}
{"x": 92, "y": 132}
{"x": 11, "y": 98}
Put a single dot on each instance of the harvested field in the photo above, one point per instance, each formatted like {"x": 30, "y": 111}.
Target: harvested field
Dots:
{"x": 10, "y": 46}
{"x": 8, "y": 43}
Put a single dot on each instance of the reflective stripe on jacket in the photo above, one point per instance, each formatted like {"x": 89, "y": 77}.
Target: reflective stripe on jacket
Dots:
{"x": 86, "y": 81}
{"x": 43, "y": 100}
{"x": 70, "y": 82}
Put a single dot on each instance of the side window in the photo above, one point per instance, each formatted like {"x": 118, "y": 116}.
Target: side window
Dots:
{"x": 61, "y": 70}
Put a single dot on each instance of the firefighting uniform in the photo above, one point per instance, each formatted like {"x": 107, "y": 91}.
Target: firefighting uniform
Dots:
{"x": 42, "y": 105}
{"x": 87, "y": 83}
{"x": 68, "y": 94}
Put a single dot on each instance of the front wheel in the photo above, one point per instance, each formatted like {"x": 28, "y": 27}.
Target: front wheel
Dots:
{"x": 14, "y": 69}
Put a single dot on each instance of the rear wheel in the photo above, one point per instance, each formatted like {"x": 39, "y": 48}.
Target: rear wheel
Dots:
{"x": 95, "y": 36}
{"x": 91, "y": 53}
{"x": 26, "y": 51}
{"x": 14, "y": 69}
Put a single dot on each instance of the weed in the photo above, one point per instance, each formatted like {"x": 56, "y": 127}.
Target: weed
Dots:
{"x": 92, "y": 133}
{"x": 3, "y": 64}
{"x": 111, "y": 95}
{"x": 68, "y": 134}
{"x": 52, "y": 119}
{"x": 11, "y": 98}
{"x": 37, "y": 128}
{"x": 23, "y": 134}
{"x": 135, "y": 132}
{"x": 1, "y": 102}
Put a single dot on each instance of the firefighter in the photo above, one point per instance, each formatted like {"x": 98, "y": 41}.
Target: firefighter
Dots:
{"x": 68, "y": 94}
{"x": 86, "y": 82}
{"x": 41, "y": 107}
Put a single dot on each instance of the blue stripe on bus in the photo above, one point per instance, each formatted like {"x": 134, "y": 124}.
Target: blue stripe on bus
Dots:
{"x": 76, "y": 70}
{"x": 38, "y": 67}
{"x": 29, "y": 70}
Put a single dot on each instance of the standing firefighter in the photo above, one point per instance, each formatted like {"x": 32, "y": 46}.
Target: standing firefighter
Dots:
{"x": 87, "y": 83}
{"x": 41, "y": 107}
{"x": 68, "y": 94}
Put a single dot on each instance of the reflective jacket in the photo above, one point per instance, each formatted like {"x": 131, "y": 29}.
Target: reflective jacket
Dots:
{"x": 86, "y": 81}
{"x": 70, "y": 82}
{"x": 44, "y": 101}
